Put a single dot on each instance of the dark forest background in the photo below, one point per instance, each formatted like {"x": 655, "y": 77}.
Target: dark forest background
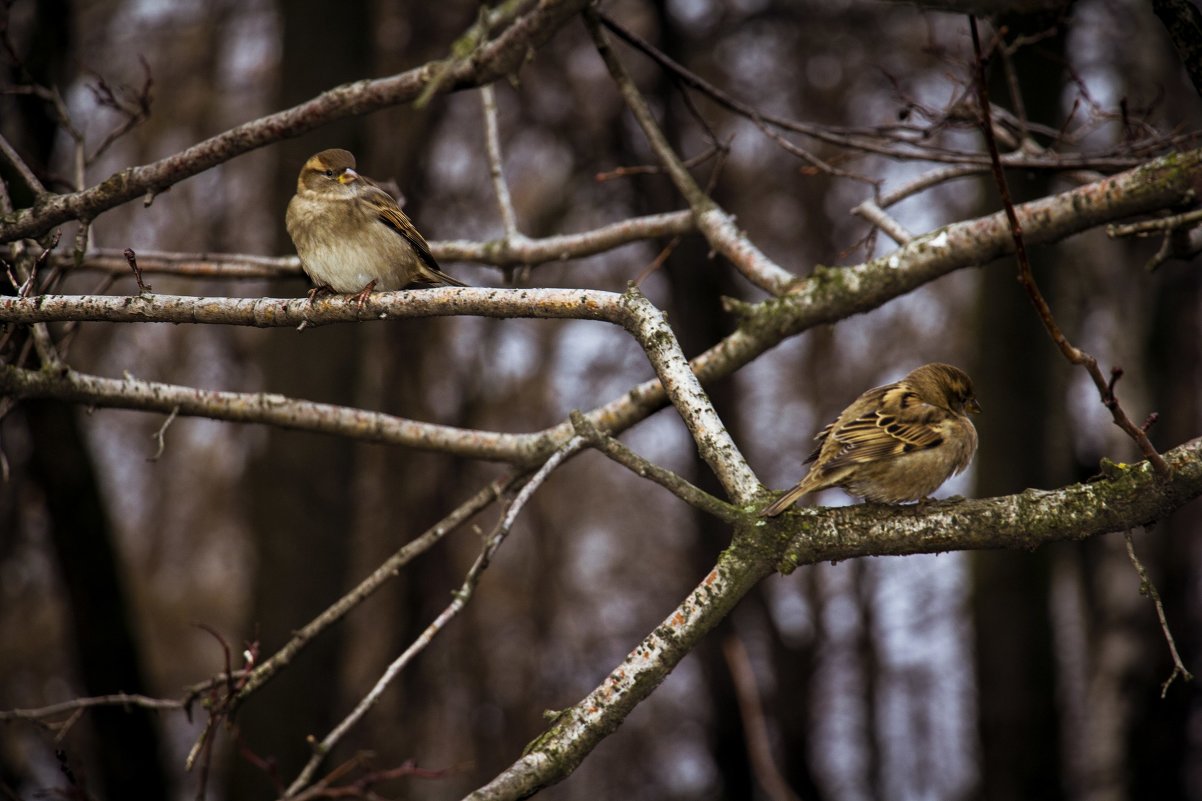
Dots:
{"x": 975, "y": 675}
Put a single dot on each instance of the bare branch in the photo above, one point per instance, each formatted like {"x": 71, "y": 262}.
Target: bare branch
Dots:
{"x": 502, "y": 252}
{"x": 1146, "y": 587}
{"x": 615, "y": 450}
{"x": 557, "y": 752}
{"x": 270, "y": 409}
{"x": 1130, "y": 495}
{"x": 905, "y": 143}
{"x": 491, "y": 544}
{"x": 826, "y": 296}
{"x": 927, "y": 180}
{"x": 76, "y": 704}
{"x": 497, "y": 252}
{"x": 1072, "y": 353}
{"x": 751, "y": 711}
{"x": 492, "y": 146}
{"x": 493, "y": 60}
{"x": 387, "y": 570}
{"x": 715, "y": 224}
{"x": 21, "y": 168}
{"x": 876, "y": 215}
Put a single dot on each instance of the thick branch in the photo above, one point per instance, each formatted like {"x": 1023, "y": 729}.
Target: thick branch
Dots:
{"x": 557, "y": 752}
{"x": 650, "y": 327}
{"x": 491, "y": 61}
{"x": 1129, "y": 496}
{"x": 830, "y": 294}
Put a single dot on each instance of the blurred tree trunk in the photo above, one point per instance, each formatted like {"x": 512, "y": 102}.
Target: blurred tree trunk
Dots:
{"x": 1163, "y": 741}
{"x": 1166, "y": 756}
{"x": 126, "y": 757}
{"x": 128, "y": 760}
{"x": 1019, "y": 371}
{"x": 300, "y": 492}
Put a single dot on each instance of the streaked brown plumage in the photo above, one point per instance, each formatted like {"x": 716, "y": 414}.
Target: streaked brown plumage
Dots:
{"x": 895, "y": 443}
{"x": 351, "y": 235}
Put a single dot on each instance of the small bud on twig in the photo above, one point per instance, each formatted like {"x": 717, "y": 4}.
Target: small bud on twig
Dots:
{"x": 132, "y": 258}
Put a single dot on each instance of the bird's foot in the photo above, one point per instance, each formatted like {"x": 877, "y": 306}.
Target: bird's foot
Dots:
{"x": 362, "y": 295}
{"x": 320, "y": 289}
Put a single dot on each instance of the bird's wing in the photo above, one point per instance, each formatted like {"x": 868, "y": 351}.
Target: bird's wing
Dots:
{"x": 820, "y": 438}
{"x": 390, "y": 214}
{"x": 900, "y": 423}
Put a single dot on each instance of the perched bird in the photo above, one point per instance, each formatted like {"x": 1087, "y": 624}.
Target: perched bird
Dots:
{"x": 351, "y": 235}
{"x": 895, "y": 443}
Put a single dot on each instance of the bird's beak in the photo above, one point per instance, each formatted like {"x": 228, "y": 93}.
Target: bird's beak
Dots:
{"x": 347, "y": 176}
{"x": 973, "y": 406}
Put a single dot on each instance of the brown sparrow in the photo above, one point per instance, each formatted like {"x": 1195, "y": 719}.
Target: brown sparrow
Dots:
{"x": 895, "y": 443}
{"x": 351, "y": 235}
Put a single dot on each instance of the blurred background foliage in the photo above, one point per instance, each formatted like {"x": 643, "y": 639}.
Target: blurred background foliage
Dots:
{"x": 988, "y": 675}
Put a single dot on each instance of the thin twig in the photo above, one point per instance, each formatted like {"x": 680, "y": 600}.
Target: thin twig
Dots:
{"x": 492, "y": 146}
{"x": 460, "y": 600}
{"x": 131, "y": 258}
{"x": 1160, "y": 224}
{"x": 160, "y": 436}
{"x": 876, "y": 215}
{"x": 135, "y": 107}
{"x": 904, "y": 144}
{"x": 715, "y": 223}
{"x": 114, "y": 699}
{"x": 387, "y": 570}
{"x": 21, "y": 168}
{"x": 618, "y": 452}
{"x": 1146, "y": 587}
{"x": 1027, "y": 279}
{"x": 361, "y": 787}
{"x": 927, "y": 180}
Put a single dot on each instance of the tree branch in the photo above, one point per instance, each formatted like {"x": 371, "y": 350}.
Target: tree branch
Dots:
{"x": 495, "y": 252}
{"x": 618, "y": 452}
{"x": 503, "y": 526}
{"x": 650, "y": 327}
{"x": 1027, "y": 278}
{"x": 494, "y": 59}
{"x": 717, "y": 226}
{"x": 1129, "y": 495}
{"x": 828, "y": 295}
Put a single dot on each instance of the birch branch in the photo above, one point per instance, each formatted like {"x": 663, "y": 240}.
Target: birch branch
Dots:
{"x": 1129, "y": 495}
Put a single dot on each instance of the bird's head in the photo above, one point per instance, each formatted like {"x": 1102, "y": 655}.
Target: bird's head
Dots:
{"x": 328, "y": 172}
{"x": 946, "y": 386}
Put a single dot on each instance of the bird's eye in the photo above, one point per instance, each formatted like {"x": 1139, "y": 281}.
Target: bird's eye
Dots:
{"x": 329, "y": 173}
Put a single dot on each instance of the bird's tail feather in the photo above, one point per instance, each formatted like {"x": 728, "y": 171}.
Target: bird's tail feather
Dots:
{"x": 433, "y": 277}
{"x": 789, "y": 498}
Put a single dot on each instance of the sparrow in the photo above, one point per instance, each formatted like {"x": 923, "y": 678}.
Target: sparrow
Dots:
{"x": 351, "y": 235}
{"x": 895, "y": 443}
